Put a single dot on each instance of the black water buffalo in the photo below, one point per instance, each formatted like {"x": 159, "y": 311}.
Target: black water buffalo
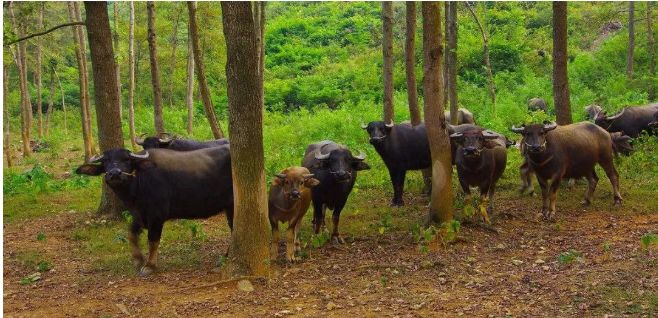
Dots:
{"x": 336, "y": 169}
{"x": 165, "y": 140}
{"x": 592, "y": 111}
{"x": 555, "y": 152}
{"x": 480, "y": 158}
{"x": 464, "y": 116}
{"x": 537, "y": 104}
{"x": 630, "y": 120}
{"x": 161, "y": 184}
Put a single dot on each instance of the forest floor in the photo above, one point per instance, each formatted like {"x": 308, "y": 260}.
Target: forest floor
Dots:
{"x": 62, "y": 260}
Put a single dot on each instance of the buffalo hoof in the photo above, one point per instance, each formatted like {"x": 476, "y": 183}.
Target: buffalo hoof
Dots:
{"x": 292, "y": 258}
{"x": 527, "y": 191}
{"x": 146, "y": 270}
{"x": 617, "y": 202}
{"x": 585, "y": 203}
{"x": 397, "y": 203}
{"x": 138, "y": 261}
{"x": 337, "y": 239}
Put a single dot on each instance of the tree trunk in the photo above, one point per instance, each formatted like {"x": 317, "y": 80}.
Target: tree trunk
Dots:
{"x": 487, "y": 61}
{"x": 26, "y": 107}
{"x": 451, "y": 60}
{"x": 189, "y": 96}
{"x": 259, "y": 21}
{"x": 131, "y": 77}
{"x": 652, "y": 54}
{"x": 106, "y": 93}
{"x": 201, "y": 73}
{"x": 115, "y": 38}
{"x": 78, "y": 37}
{"x": 631, "y": 40}
{"x": 441, "y": 198}
{"x": 410, "y": 63}
{"x": 155, "y": 74}
{"x": 560, "y": 78}
{"x": 51, "y": 100}
{"x": 174, "y": 44}
{"x": 37, "y": 75}
{"x": 7, "y": 141}
{"x": 61, "y": 89}
{"x": 387, "y": 49}
{"x": 250, "y": 238}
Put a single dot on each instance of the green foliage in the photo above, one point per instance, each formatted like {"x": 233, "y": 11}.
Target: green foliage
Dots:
{"x": 569, "y": 257}
{"x": 385, "y": 223}
{"x": 648, "y": 240}
{"x": 41, "y": 236}
{"x": 423, "y": 236}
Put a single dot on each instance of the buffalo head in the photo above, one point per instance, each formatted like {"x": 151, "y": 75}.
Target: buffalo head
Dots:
{"x": 378, "y": 131}
{"x": 534, "y": 136}
{"x": 292, "y": 180}
{"x": 654, "y": 123}
{"x": 473, "y": 142}
{"x": 118, "y": 164}
{"x": 161, "y": 141}
{"x": 341, "y": 163}
{"x": 592, "y": 111}
{"x": 604, "y": 121}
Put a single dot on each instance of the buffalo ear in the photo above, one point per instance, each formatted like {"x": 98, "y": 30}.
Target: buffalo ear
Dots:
{"x": 90, "y": 169}
{"x": 143, "y": 164}
{"x": 311, "y": 182}
{"x": 360, "y": 165}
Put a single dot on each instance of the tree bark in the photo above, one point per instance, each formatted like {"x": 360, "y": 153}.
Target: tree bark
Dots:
{"x": 410, "y": 63}
{"x": 259, "y": 20}
{"x": 487, "y": 61}
{"x": 7, "y": 141}
{"x": 26, "y": 107}
{"x": 441, "y": 198}
{"x": 387, "y": 50}
{"x": 189, "y": 96}
{"x": 61, "y": 89}
{"x": 652, "y": 54}
{"x": 174, "y": 44}
{"x": 131, "y": 76}
{"x": 201, "y": 73}
{"x": 106, "y": 93}
{"x": 85, "y": 115}
{"x": 631, "y": 40}
{"x": 37, "y": 75}
{"x": 560, "y": 78}
{"x": 451, "y": 60}
{"x": 115, "y": 38}
{"x": 51, "y": 99}
{"x": 155, "y": 74}
{"x": 250, "y": 238}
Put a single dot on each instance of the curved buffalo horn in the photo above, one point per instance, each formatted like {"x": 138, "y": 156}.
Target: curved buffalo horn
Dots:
{"x": 364, "y": 126}
{"x": 140, "y": 140}
{"x": 456, "y": 135}
{"x": 144, "y": 156}
{"x": 390, "y": 124}
{"x": 308, "y": 176}
{"x": 281, "y": 175}
{"x": 518, "y": 130}
{"x": 549, "y": 126}
{"x": 361, "y": 156}
{"x": 96, "y": 158}
{"x": 320, "y": 156}
{"x": 488, "y": 134}
{"x": 618, "y": 115}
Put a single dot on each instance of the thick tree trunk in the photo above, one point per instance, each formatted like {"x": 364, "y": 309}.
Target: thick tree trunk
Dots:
{"x": 131, "y": 76}
{"x": 652, "y": 54}
{"x": 441, "y": 198}
{"x": 487, "y": 61}
{"x": 155, "y": 74}
{"x": 201, "y": 73}
{"x": 61, "y": 89}
{"x": 189, "y": 96}
{"x": 78, "y": 37}
{"x": 174, "y": 44}
{"x": 451, "y": 60}
{"x": 7, "y": 140}
{"x": 37, "y": 75}
{"x": 631, "y": 40}
{"x": 115, "y": 38}
{"x": 387, "y": 50}
{"x": 26, "y": 107}
{"x": 250, "y": 238}
{"x": 560, "y": 78}
{"x": 106, "y": 93}
{"x": 410, "y": 63}
{"x": 51, "y": 100}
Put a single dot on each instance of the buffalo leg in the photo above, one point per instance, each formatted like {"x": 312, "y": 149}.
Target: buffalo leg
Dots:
{"x": 290, "y": 244}
{"x": 335, "y": 235}
{"x": 555, "y": 185}
{"x": 468, "y": 203}
{"x": 154, "y": 234}
{"x": 298, "y": 247}
{"x": 274, "y": 247}
{"x": 610, "y": 171}
{"x": 592, "y": 180}
{"x": 318, "y": 216}
{"x": 397, "y": 178}
{"x": 427, "y": 180}
{"x": 526, "y": 178}
{"x": 543, "y": 184}
{"x": 229, "y": 217}
{"x": 133, "y": 238}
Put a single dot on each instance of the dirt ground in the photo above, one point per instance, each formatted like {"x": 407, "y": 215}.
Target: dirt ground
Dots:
{"x": 515, "y": 272}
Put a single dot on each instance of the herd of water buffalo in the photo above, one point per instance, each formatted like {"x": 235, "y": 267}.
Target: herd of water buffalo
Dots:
{"x": 174, "y": 178}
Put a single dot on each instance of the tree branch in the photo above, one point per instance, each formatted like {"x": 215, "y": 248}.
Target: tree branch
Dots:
{"x": 45, "y": 32}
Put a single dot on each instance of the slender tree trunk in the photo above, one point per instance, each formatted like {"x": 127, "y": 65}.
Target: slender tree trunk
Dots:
{"x": 451, "y": 60}
{"x": 560, "y": 78}
{"x": 261, "y": 59}
{"x": 631, "y": 40}
{"x": 26, "y": 107}
{"x": 250, "y": 238}
{"x": 652, "y": 54}
{"x": 85, "y": 116}
{"x": 155, "y": 74}
{"x": 115, "y": 38}
{"x": 7, "y": 141}
{"x": 189, "y": 96}
{"x": 37, "y": 75}
{"x": 61, "y": 89}
{"x": 106, "y": 93}
{"x": 51, "y": 100}
{"x": 174, "y": 44}
{"x": 441, "y": 198}
{"x": 487, "y": 61}
{"x": 387, "y": 49}
{"x": 410, "y": 63}
{"x": 131, "y": 77}
{"x": 201, "y": 73}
